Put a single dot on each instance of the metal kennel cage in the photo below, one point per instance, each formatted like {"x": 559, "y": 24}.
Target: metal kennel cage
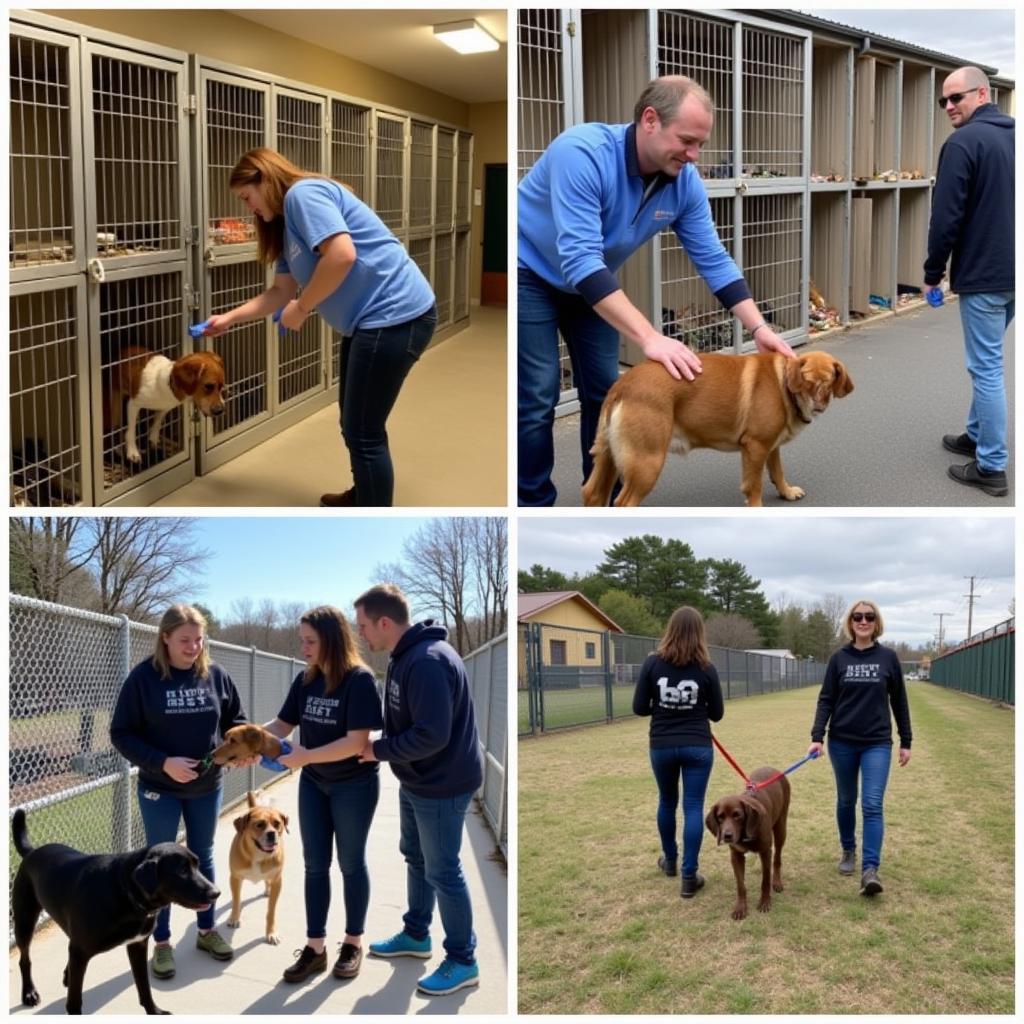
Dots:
{"x": 350, "y": 150}
{"x": 421, "y": 176}
{"x": 390, "y": 171}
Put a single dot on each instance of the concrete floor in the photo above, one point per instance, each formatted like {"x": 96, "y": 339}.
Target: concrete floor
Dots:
{"x": 251, "y": 983}
{"x": 448, "y": 436}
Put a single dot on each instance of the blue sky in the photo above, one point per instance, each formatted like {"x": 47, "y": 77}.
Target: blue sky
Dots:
{"x": 288, "y": 558}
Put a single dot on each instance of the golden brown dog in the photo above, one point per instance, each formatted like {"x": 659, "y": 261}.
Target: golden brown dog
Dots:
{"x": 244, "y": 741}
{"x": 753, "y": 822}
{"x": 257, "y": 855}
{"x": 753, "y": 404}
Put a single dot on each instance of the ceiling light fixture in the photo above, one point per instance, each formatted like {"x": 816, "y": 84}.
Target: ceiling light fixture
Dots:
{"x": 466, "y": 36}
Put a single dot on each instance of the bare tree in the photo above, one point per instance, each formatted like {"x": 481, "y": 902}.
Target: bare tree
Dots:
{"x": 42, "y": 563}
{"x": 733, "y": 631}
{"x": 490, "y": 568}
{"x": 833, "y": 607}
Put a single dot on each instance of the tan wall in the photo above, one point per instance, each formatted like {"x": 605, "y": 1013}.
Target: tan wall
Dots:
{"x": 571, "y": 613}
{"x": 489, "y": 124}
{"x": 224, "y": 36}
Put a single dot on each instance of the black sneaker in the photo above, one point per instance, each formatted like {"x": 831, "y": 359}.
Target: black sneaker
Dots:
{"x": 869, "y": 883}
{"x": 350, "y": 959}
{"x": 667, "y": 866}
{"x": 959, "y": 444}
{"x": 308, "y": 963}
{"x": 848, "y": 862}
{"x": 690, "y": 886}
{"x": 973, "y": 475}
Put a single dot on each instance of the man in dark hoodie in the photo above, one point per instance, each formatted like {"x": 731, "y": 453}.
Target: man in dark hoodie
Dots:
{"x": 972, "y": 219}
{"x": 431, "y": 741}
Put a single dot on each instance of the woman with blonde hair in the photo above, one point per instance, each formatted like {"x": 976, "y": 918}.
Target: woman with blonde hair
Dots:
{"x": 678, "y": 688}
{"x": 335, "y": 704}
{"x": 356, "y": 274}
{"x": 172, "y": 711}
{"x": 862, "y": 681}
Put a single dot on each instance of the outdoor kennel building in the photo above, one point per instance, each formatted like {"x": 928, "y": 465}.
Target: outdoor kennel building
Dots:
{"x": 123, "y": 232}
{"x": 819, "y": 169}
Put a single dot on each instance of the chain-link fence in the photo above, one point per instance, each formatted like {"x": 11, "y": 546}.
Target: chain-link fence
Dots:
{"x": 67, "y": 667}
{"x": 983, "y": 665}
{"x": 569, "y": 676}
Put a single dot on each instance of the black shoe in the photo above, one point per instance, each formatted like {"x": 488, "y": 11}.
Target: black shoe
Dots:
{"x": 973, "y": 475}
{"x": 347, "y": 499}
{"x": 350, "y": 959}
{"x": 869, "y": 883}
{"x": 848, "y": 862}
{"x": 690, "y": 886}
{"x": 959, "y": 444}
{"x": 668, "y": 866}
{"x": 308, "y": 963}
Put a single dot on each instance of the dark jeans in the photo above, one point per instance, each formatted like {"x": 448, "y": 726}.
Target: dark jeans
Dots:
{"x": 594, "y": 352}
{"x": 161, "y": 814}
{"x": 374, "y": 365}
{"x": 872, "y": 765}
{"x": 693, "y": 764}
{"x": 338, "y": 813}
{"x": 431, "y": 837}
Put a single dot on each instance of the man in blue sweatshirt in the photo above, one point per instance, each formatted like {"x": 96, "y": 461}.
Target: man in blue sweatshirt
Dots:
{"x": 972, "y": 219}
{"x": 597, "y": 194}
{"x": 431, "y": 741}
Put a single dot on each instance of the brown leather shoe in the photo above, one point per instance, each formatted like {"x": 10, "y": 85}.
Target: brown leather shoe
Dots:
{"x": 308, "y": 963}
{"x": 347, "y": 499}
{"x": 350, "y": 959}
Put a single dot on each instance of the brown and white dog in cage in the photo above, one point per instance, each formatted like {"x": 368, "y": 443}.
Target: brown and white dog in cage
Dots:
{"x": 152, "y": 381}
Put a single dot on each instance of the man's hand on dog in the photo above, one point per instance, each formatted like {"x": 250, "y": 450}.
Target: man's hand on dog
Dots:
{"x": 767, "y": 340}
{"x": 680, "y": 361}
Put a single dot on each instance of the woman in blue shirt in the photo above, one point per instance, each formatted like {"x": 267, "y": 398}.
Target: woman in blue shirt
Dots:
{"x": 336, "y": 705}
{"x": 357, "y": 275}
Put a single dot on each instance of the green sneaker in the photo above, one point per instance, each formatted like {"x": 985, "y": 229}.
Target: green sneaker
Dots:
{"x": 213, "y": 944}
{"x": 162, "y": 964}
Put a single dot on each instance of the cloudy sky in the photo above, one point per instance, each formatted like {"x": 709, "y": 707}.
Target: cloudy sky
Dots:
{"x": 984, "y": 36}
{"x": 911, "y": 567}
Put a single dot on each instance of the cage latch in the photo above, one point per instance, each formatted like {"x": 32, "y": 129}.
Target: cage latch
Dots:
{"x": 96, "y": 271}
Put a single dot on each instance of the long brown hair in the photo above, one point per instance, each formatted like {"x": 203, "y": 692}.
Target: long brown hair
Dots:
{"x": 274, "y": 174}
{"x": 684, "y": 641}
{"x": 338, "y": 651}
{"x": 175, "y": 616}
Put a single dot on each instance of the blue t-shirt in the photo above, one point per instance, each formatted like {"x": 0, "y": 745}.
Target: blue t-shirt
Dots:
{"x": 383, "y": 289}
{"x": 325, "y": 717}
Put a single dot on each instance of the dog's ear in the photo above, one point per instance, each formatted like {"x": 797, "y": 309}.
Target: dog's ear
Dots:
{"x": 186, "y": 373}
{"x": 146, "y": 876}
{"x": 241, "y": 822}
{"x": 284, "y": 820}
{"x": 842, "y": 384}
{"x": 795, "y": 374}
{"x": 754, "y": 811}
{"x": 712, "y": 823}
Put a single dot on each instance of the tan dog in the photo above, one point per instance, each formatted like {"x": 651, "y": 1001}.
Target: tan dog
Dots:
{"x": 754, "y": 823}
{"x": 257, "y": 855}
{"x": 753, "y": 404}
{"x": 245, "y": 741}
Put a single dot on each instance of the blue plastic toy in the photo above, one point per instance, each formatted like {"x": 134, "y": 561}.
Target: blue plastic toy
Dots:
{"x": 934, "y": 296}
{"x": 198, "y": 330}
{"x": 276, "y": 766}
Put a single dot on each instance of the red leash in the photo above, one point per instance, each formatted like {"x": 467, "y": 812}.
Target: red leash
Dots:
{"x": 725, "y": 753}
{"x": 755, "y": 786}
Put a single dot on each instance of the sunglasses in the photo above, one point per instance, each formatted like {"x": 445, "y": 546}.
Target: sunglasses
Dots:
{"x": 863, "y": 616}
{"x": 955, "y": 97}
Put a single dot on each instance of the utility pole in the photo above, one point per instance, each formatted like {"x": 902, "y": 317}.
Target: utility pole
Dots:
{"x": 941, "y": 616}
{"x": 970, "y": 606}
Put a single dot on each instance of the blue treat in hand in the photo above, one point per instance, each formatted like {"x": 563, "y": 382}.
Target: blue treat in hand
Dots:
{"x": 277, "y": 320}
{"x": 276, "y": 766}
{"x": 198, "y": 330}
{"x": 934, "y": 296}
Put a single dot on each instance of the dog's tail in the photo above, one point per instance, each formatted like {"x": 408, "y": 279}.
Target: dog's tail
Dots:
{"x": 598, "y": 488}
{"x": 19, "y": 829}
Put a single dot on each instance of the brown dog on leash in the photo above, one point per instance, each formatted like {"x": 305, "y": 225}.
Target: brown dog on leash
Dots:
{"x": 753, "y": 822}
{"x": 752, "y": 404}
{"x": 244, "y": 741}
{"x": 257, "y": 855}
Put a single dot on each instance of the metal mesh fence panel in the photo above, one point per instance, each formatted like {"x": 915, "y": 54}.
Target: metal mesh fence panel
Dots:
{"x": 487, "y": 669}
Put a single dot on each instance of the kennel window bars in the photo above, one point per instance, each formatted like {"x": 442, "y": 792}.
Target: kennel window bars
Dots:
{"x": 445, "y": 178}
{"x": 389, "y": 147}
{"x": 300, "y": 130}
{"x": 421, "y": 175}
{"x": 300, "y": 362}
{"x": 350, "y": 134}
{"x": 543, "y": 104}
{"x": 463, "y": 179}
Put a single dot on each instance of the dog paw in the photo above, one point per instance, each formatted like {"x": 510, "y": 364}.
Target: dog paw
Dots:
{"x": 274, "y": 939}
{"x": 764, "y": 906}
{"x": 30, "y": 997}
{"x": 132, "y": 454}
{"x": 777, "y": 885}
{"x": 739, "y": 911}
{"x": 792, "y": 493}
{"x": 234, "y": 923}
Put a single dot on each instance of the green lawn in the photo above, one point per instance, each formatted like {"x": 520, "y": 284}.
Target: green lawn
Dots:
{"x": 602, "y": 931}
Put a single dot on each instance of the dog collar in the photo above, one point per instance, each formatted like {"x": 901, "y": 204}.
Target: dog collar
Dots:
{"x": 205, "y": 764}
{"x": 273, "y": 765}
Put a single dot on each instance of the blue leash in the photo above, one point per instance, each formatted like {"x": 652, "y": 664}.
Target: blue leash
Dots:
{"x": 276, "y": 766}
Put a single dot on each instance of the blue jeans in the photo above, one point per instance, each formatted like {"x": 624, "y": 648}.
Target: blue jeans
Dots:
{"x": 431, "y": 837}
{"x": 694, "y": 763}
{"x": 374, "y": 365}
{"x": 338, "y": 813}
{"x": 594, "y": 351}
{"x": 161, "y": 813}
{"x": 873, "y": 765}
{"x": 985, "y": 317}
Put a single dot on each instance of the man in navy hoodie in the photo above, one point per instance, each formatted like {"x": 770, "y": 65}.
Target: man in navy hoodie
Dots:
{"x": 972, "y": 219}
{"x": 431, "y": 741}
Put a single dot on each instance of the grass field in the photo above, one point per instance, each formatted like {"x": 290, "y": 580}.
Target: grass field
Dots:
{"x": 601, "y": 930}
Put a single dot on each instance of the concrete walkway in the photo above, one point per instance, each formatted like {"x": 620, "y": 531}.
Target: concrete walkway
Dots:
{"x": 251, "y": 982}
{"x": 879, "y": 446}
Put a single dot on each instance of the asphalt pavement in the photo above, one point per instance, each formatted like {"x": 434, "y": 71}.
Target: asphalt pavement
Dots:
{"x": 251, "y": 982}
{"x": 880, "y": 446}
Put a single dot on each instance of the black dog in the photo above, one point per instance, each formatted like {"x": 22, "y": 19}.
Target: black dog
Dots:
{"x": 100, "y": 901}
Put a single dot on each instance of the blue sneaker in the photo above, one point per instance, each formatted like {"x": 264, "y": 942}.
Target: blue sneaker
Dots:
{"x": 402, "y": 944}
{"x": 449, "y": 977}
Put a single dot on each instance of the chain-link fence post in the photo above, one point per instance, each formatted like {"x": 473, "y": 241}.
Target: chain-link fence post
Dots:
{"x": 123, "y": 789}
{"x": 251, "y": 770}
